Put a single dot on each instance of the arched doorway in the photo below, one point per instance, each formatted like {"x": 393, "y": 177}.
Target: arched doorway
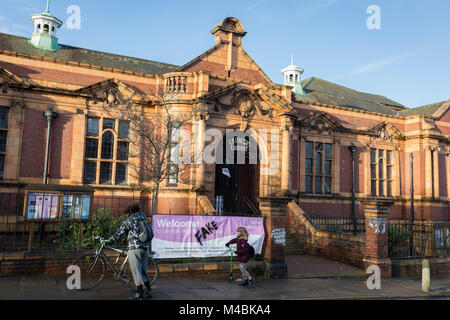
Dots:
{"x": 237, "y": 183}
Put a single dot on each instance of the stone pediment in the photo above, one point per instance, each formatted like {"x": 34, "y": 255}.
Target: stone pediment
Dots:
{"x": 384, "y": 131}
{"x": 247, "y": 101}
{"x": 101, "y": 91}
{"x": 9, "y": 78}
{"x": 321, "y": 123}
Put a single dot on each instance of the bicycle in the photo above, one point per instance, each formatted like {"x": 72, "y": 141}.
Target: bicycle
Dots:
{"x": 93, "y": 267}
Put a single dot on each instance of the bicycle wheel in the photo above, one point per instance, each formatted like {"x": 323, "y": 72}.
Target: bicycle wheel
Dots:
{"x": 92, "y": 270}
{"x": 153, "y": 270}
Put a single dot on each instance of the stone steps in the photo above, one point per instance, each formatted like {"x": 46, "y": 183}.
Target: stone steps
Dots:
{"x": 293, "y": 247}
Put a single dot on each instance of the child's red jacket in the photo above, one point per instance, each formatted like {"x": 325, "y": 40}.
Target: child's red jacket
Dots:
{"x": 241, "y": 249}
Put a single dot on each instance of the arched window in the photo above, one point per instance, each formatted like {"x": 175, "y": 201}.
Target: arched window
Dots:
{"x": 107, "y": 145}
{"x": 46, "y": 28}
{"x": 106, "y": 161}
{"x": 291, "y": 78}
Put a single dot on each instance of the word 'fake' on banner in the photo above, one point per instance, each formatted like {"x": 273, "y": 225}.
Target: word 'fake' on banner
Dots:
{"x": 181, "y": 236}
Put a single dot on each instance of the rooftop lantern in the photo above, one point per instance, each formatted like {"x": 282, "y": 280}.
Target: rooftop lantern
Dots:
{"x": 292, "y": 77}
{"x": 45, "y": 26}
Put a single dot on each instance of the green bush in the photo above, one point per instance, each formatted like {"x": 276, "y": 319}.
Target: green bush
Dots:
{"x": 398, "y": 236}
{"x": 103, "y": 224}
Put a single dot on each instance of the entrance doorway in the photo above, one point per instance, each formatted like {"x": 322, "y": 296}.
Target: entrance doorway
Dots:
{"x": 237, "y": 184}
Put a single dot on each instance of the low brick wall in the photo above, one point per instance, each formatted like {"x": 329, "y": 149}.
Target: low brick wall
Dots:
{"x": 439, "y": 267}
{"x": 345, "y": 248}
{"x": 56, "y": 263}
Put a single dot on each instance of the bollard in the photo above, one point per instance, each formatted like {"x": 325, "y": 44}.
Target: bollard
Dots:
{"x": 426, "y": 276}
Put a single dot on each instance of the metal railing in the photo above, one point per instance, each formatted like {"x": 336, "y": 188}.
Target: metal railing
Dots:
{"x": 338, "y": 224}
{"x": 17, "y": 233}
{"x": 430, "y": 239}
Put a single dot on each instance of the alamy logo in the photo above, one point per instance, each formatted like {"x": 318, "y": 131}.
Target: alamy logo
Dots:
{"x": 74, "y": 20}
{"x": 374, "y": 20}
{"x": 74, "y": 280}
{"x": 374, "y": 281}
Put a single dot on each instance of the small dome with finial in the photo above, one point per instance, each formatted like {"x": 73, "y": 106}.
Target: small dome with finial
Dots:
{"x": 292, "y": 77}
{"x": 45, "y": 26}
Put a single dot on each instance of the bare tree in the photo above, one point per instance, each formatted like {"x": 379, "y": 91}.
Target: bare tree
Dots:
{"x": 154, "y": 137}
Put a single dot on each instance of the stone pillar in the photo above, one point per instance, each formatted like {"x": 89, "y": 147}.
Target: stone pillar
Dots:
{"x": 78, "y": 145}
{"x": 274, "y": 211}
{"x": 200, "y": 147}
{"x": 376, "y": 251}
{"x": 286, "y": 156}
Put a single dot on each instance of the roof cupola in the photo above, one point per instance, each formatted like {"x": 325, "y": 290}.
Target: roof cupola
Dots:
{"x": 45, "y": 26}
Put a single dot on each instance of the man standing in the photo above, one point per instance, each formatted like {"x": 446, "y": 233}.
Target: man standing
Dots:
{"x": 137, "y": 251}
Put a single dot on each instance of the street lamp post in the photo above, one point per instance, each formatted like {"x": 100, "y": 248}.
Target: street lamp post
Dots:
{"x": 411, "y": 216}
{"x": 352, "y": 149}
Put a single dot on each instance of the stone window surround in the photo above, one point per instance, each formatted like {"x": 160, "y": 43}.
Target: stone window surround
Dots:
{"x": 335, "y": 160}
{"x": 395, "y": 170}
{"x": 98, "y": 159}
{"x": 5, "y": 153}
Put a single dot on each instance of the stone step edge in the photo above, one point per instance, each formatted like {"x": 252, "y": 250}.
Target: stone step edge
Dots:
{"x": 165, "y": 268}
{"x": 208, "y": 267}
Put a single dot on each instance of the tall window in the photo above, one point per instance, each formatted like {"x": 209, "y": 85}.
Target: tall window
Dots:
{"x": 107, "y": 151}
{"x": 174, "y": 154}
{"x": 381, "y": 169}
{"x": 3, "y": 135}
{"x": 318, "y": 164}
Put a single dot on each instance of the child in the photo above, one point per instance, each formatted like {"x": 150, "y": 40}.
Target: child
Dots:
{"x": 243, "y": 255}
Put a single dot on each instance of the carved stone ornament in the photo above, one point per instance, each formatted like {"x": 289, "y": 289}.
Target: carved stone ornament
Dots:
{"x": 383, "y": 135}
{"x": 318, "y": 124}
{"x": 17, "y": 104}
{"x": 244, "y": 105}
{"x": 110, "y": 97}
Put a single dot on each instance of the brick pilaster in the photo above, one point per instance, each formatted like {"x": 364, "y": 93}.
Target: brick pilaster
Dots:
{"x": 377, "y": 235}
{"x": 274, "y": 210}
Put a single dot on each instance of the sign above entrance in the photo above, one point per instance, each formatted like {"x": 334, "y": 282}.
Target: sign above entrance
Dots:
{"x": 238, "y": 144}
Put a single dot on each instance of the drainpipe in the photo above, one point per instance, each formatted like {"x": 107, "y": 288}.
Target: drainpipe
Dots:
{"x": 352, "y": 149}
{"x": 50, "y": 115}
{"x": 411, "y": 217}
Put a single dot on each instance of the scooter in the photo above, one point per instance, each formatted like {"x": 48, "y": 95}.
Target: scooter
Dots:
{"x": 232, "y": 276}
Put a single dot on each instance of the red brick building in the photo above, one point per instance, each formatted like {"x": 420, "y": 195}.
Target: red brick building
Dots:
{"x": 318, "y": 124}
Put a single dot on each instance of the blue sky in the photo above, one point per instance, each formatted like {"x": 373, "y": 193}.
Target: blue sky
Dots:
{"x": 407, "y": 60}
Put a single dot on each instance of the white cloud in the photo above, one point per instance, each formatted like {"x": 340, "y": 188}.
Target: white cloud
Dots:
{"x": 314, "y": 8}
{"x": 256, "y": 4}
{"x": 375, "y": 65}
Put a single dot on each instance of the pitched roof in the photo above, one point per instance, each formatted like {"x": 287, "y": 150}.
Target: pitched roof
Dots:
{"x": 68, "y": 53}
{"x": 428, "y": 110}
{"x": 322, "y": 91}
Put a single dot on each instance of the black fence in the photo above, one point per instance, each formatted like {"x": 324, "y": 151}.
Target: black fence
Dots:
{"x": 422, "y": 239}
{"x": 17, "y": 233}
{"x": 337, "y": 224}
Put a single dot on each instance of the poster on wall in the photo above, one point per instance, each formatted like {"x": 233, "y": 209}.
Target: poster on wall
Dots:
{"x": 76, "y": 207}
{"x": 180, "y": 236}
{"x": 42, "y": 206}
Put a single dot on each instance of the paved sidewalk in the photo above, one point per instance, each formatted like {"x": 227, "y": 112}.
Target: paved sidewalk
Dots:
{"x": 54, "y": 288}
{"x": 305, "y": 267}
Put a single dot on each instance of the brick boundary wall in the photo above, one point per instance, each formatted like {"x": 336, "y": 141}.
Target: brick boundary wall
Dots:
{"x": 345, "y": 248}
{"x": 439, "y": 267}
{"x": 56, "y": 263}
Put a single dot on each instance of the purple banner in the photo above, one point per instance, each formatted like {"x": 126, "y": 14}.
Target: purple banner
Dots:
{"x": 181, "y": 236}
